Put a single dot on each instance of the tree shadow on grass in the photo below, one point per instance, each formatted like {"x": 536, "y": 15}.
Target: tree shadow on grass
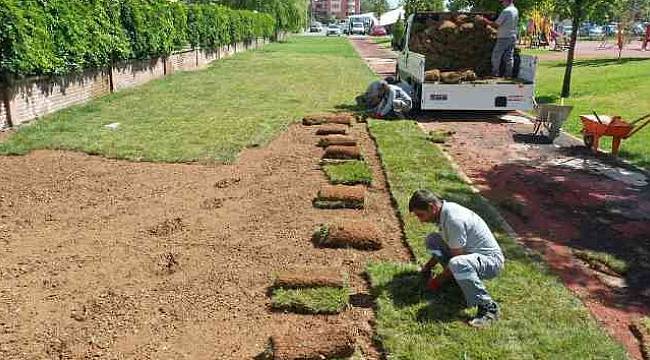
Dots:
{"x": 547, "y": 99}
{"x": 408, "y": 289}
{"x": 603, "y": 62}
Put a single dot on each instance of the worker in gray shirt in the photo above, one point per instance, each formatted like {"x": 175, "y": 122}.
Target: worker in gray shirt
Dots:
{"x": 466, "y": 249}
{"x": 504, "y": 50}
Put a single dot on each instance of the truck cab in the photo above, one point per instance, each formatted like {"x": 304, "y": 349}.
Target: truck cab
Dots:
{"x": 460, "y": 42}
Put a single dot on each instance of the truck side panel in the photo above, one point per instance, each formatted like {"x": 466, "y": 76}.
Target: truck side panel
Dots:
{"x": 491, "y": 97}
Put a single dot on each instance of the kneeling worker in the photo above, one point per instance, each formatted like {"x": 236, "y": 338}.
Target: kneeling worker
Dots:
{"x": 395, "y": 101}
{"x": 466, "y": 249}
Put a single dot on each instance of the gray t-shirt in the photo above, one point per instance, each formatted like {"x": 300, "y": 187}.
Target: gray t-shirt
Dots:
{"x": 508, "y": 21}
{"x": 463, "y": 229}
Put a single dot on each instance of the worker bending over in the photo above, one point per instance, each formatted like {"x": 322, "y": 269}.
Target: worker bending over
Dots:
{"x": 466, "y": 249}
{"x": 395, "y": 102}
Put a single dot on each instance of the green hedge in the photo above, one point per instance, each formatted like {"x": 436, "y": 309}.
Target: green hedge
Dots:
{"x": 61, "y": 36}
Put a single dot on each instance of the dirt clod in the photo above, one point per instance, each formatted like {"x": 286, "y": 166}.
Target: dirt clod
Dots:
{"x": 306, "y": 278}
{"x": 169, "y": 262}
{"x": 167, "y": 227}
{"x": 327, "y": 342}
{"x": 357, "y": 234}
{"x": 318, "y": 119}
{"x": 341, "y": 140}
{"x": 212, "y": 203}
{"x": 341, "y": 196}
{"x": 342, "y": 152}
{"x": 331, "y": 129}
{"x": 226, "y": 183}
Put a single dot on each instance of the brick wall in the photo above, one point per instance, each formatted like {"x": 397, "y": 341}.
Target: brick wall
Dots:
{"x": 183, "y": 61}
{"x": 4, "y": 122}
{"x": 33, "y": 98}
{"x": 137, "y": 72}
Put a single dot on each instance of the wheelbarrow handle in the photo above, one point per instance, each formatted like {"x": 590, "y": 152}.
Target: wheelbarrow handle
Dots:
{"x": 638, "y": 128}
{"x": 640, "y": 119}
{"x": 597, "y": 117}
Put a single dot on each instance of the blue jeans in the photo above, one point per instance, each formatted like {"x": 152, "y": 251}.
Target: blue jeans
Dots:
{"x": 468, "y": 270}
{"x": 504, "y": 52}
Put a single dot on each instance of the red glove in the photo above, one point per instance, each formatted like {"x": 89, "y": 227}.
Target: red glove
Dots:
{"x": 433, "y": 285}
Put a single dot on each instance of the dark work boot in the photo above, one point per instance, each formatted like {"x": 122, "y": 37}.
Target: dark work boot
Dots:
{"x": 487, "y": 314}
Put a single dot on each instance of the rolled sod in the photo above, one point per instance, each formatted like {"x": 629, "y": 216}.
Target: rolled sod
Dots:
{"x": 342, "y": 140}
{"x": 339, "y": 152}
{"x": 356, "y": 234}
{"x": 315, "y": 300}
{"x": 308, "y": 278}
{"x": 340, "y": 196}
{"x": 318, "y": 119}
{"x": 326, "y": 342}
{"x": 331, "y": 129}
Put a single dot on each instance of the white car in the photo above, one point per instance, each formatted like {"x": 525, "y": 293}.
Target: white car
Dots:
{"x": 333, "y": 30}
{"x": 358, "y": 29}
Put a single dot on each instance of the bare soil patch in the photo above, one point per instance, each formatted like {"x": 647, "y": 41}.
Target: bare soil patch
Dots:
{"x": 328, "y": 342}
{"x": 332, "y": 129}
{"x": 341, "y": 196}
{"x": 81, "y": 276}
{"x": 338, "y": 152}
{"x": 342, "y": 140}
{"x": 309, "y": 277}
{"x": 563, "y": 198}
{"x": 319, "y": 119}
{"x": 357, "y": 234}
{"x": 167, "y": 227}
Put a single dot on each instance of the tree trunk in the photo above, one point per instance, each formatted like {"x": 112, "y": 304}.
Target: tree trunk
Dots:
{"x": 577, "y": 17}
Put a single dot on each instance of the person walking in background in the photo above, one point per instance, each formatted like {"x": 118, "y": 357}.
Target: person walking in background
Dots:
{"x": 646, "y": 38}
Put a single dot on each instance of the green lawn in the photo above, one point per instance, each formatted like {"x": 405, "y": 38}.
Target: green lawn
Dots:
{"x": 608, "y": 87}
{"x": 208, "y": 115}
{"x": 349, "y": 173}
{"x": 320, "y": 300}
{"x": 541, "y": 319}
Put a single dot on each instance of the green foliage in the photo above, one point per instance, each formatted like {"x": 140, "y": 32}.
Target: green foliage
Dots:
{"x": 61, "y": 36}
{"x": 289, "y": 15}
{"x": 399, "y": 31}
{"x": 597, "y": 259}
{"x": 320, "y": 300}
{"x": 349, "y": 173}
{"x": 411, "y": 6}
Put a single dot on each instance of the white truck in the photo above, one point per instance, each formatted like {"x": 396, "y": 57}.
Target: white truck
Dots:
{"x": 481, "y": 94}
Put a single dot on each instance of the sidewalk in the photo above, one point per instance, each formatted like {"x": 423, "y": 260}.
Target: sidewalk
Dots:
{"x": 381, "y": 60}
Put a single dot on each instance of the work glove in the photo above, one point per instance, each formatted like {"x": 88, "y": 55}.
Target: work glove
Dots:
{"x": 434, "y": 285}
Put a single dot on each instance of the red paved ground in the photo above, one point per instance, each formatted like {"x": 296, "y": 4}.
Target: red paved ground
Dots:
{"x": 381, "y": 60}
{"x": 593, "y": 50}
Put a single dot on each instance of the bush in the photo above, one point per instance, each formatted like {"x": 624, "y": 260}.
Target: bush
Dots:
{"x": 61, "y": 36}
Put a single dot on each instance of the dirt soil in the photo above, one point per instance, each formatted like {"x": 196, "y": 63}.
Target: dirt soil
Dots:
{"x": 324, "y": 342}
{"x": 309, "y": 277}
{"x": 355, "y": 233}
{"x": 342, "y": 152}
{"x": 561, "y": 197}
{"x": 113, "y": 259}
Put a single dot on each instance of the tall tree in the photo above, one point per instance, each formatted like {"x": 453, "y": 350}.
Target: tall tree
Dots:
{"x": 379, "y": 7}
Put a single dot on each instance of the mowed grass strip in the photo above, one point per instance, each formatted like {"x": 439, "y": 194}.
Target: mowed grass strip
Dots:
{"x": 319, "y": 300}
{"x": 208, "y": 115}
{"x": 607, "y": 86}
{"x": 348, "y": 173}
{"x": 541, "y": 319}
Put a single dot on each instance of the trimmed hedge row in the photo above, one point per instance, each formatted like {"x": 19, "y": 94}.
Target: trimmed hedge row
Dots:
{"x": 55, "y": 37}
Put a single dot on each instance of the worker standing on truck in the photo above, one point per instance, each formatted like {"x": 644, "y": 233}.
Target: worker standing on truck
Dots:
{"x": 504, "y": 50}
{"x": 465, "y": 247}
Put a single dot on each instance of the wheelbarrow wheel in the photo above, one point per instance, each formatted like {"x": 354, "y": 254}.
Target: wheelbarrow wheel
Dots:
{"x": 588, "y": 140}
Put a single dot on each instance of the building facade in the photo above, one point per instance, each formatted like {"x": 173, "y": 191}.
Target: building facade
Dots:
{"x": 340, "y": 9}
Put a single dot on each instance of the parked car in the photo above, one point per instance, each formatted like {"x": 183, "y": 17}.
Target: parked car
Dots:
{"x": 567, "y": 30}
{"x": 378, "y": 31}
{"x": 316, "y": 27}
{"x": 345, "y": 27}
{"x": 333, "y": 29}
{"x": 358, "y": 29}
{"x": 611, "y": 29}
{"x": 596, "y": 31}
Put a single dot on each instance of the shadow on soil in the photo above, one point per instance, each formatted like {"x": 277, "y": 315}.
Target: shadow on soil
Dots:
{"x": 582, "y": 210}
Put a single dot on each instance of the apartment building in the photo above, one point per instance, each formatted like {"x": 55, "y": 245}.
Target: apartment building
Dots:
{"x": 341, "y": 9}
